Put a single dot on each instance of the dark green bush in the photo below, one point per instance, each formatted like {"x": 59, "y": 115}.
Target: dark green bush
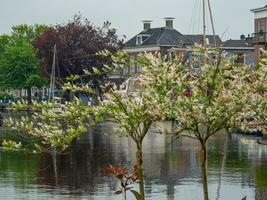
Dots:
{"x": 7, "y": 95}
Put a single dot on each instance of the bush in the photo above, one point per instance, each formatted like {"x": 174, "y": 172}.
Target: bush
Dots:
{"x": 7, "y": 95}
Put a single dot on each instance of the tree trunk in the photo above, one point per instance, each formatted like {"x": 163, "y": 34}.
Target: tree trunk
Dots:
{"x": 29, "y": 95}
{"x": 139, "y": 159}
{"x": 204, "y": 171}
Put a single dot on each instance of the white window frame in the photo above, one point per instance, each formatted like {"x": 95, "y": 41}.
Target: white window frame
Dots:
{"x": 139, "y": 39}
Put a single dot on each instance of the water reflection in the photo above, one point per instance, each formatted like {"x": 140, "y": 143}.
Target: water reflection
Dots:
{"x": 172, "y": 169}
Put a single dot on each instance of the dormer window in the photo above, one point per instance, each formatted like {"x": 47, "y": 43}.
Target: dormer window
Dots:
{"x": 140, "y": 39}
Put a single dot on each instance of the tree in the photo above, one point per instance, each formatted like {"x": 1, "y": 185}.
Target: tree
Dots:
{"x": 27, "y": 32}
{"x": 19, "y": 66}
{"x": 133, "y": 113}
{"x": 255, "y": 114}
{"x": 206, "y": 98}
{"x": 77, "y": 43}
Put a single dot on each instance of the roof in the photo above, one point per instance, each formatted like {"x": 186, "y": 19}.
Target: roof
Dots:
{"x": 198, "y": 39}
{"x": 241, "y": 44}
{"x": 160, "y": 37}
{"x": 259, "y": 9}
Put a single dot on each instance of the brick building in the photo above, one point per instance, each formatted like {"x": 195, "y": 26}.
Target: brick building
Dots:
{"x": 260, "y": 30}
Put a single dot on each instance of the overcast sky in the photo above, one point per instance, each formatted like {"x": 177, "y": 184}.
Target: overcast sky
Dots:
{"x": 230, "y": 16}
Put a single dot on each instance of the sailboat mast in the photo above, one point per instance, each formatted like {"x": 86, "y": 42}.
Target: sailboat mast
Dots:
{"x": 204, "y": 23}
{"x": 52, "y": 78}
{"x": 212, "y": 24}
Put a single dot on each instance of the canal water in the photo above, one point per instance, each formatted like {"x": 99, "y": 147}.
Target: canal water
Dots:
{"x": 237, "y": 168}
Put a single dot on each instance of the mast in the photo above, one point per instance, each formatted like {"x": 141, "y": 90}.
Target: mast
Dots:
{"x": 52, "y": 77}
{"x": 204, "y": 23}
{"x": 212, "y": 24}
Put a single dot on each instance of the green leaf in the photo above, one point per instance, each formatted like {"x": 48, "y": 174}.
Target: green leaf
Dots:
{"x": 96, "y": 71}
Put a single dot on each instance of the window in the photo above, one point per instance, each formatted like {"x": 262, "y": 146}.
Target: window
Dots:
{"x": 172, "y": 55}
{"x": 137, "y": 66}
{"x": 126, "y": 70}
{"x": 140, "y": 39}
{"x": 260, "y": 25}
{"x": 240, "y": 58}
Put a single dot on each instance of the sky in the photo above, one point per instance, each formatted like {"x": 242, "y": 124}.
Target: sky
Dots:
{"x": 231, "y": 17}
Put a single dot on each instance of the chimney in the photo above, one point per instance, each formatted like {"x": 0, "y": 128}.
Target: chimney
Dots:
{"x": 147, "y": 24}
{"x": 169, "y": 22}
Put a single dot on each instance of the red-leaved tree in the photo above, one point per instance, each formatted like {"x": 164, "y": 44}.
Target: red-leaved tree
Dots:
{"x": 77, "y": 43}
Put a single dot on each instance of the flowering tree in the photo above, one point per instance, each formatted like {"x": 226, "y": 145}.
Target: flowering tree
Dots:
{"x": 203, "y": 98}
{"x": 133, "y": 112}
{"x": 255, "y": 115}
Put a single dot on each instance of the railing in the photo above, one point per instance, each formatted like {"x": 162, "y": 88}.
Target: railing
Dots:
{"x": 259, "y": 38}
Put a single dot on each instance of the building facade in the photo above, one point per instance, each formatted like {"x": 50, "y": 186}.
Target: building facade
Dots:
{"x": 242, "y": 50}
{"x": 165, "y": 40}
{"x": 260, "y": 30}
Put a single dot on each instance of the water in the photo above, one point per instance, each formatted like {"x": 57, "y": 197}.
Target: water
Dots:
{"x": 172, "y": 169}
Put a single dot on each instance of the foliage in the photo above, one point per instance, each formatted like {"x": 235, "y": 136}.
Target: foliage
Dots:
{"x": 202, "y": 98}
{"x": 127, "y": 179}
{"x": 218, "y": 97}
{"x": 77, "y": 43}
{"x": 7, "y": 95}
{"x": 134, "y": 112}
{"x": 4, "y": 41}
{"x": 255, "y": 114}
{"x": 19, "y": 65}
{"x": 27, "y": 32}
{"x": 52, "y": 127}
{"x": 11, "y": 145}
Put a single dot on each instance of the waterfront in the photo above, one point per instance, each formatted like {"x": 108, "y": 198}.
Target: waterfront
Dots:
{"x": 171, "y": 166}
